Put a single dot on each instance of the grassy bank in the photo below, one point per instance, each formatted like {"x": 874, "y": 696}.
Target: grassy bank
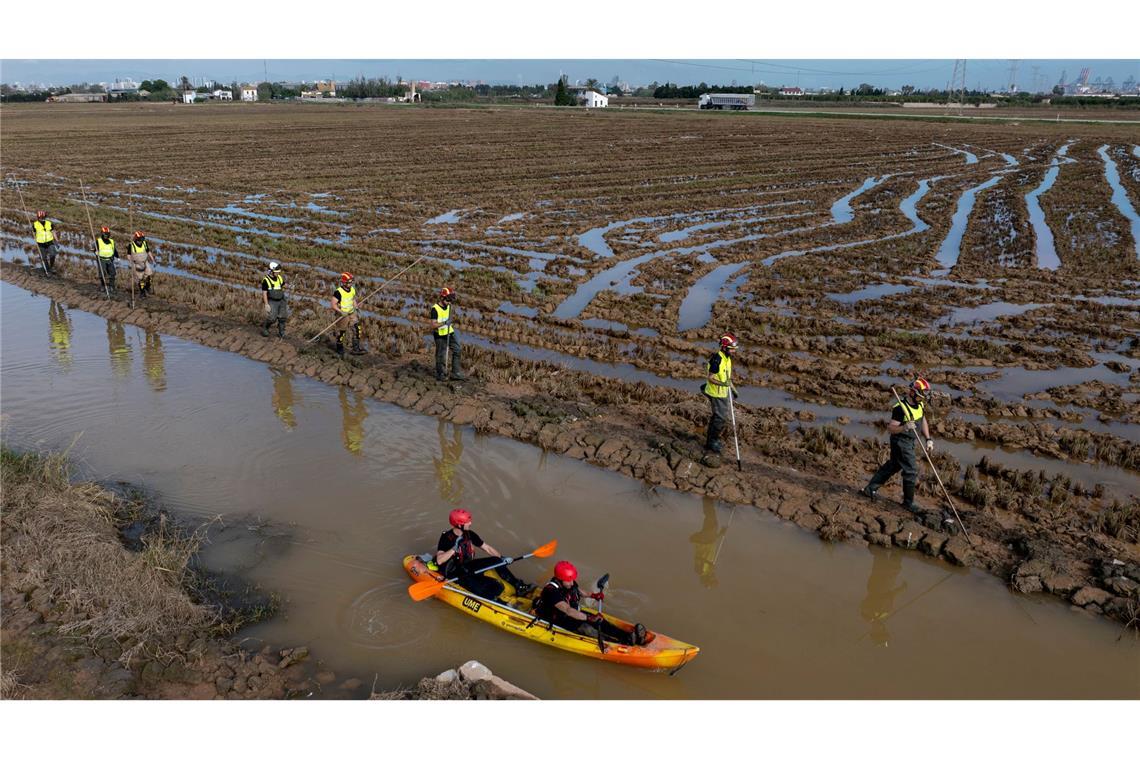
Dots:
{"x": 101, "y": 597}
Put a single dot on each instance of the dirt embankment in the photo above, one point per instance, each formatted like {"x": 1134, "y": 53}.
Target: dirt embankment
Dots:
{"x": 1039, "y": 533}
{"x": 101, "y": 600}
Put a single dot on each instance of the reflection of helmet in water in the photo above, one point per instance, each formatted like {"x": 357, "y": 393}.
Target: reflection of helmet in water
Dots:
{"x": 565, "y": 572}
{"x": 920, "y": 387}
{"x": 728, "y": 342}
{"x": 459, "y": 517}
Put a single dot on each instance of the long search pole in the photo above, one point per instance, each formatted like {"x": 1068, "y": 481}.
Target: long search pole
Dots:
{"x": 374, "y": 292}
{"x": 130, "y": 249}
{"x": 938, "y": 477}
{"x": 29, "y": 216}
{"x": 732, "y": 415}
{"x": 91, "y": 227}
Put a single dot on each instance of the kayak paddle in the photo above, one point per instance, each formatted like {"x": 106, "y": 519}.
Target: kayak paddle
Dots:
{"x": 421, "y": 590}
{"x": 601, "y": 586}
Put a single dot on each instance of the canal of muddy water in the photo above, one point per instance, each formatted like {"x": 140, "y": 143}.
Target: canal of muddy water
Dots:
{"x": 322, "y": 492}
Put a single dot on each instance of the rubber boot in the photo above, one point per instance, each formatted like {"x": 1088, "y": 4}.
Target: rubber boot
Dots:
{"x": 265, "y": 328}
{"x": 340, "y": 344}
{"x": 281, "y": 328}
{"x": 908, "y": 499}
{"x": 356, "y": 349}
{"x": 868, "y": 492}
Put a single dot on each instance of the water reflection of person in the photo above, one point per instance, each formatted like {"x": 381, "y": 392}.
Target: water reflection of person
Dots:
{"x": 704, "y": 545}
{"x": 154, "y": 361}
{"x": 119, "y": 348}
{"x": 283, "y": 397}
{"x": 881, "y": 592}
{"x": 447, "y": 464}
{"x": 60, "y": 334}
{"x": 353, "y": 418}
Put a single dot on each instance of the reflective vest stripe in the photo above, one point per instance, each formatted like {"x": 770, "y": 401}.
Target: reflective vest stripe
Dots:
{"x": 106, "y": 249}
{"x": 442, "y": 315}
{"x": 139, "y": 249}
{"x": 347, "y": 299}
{"x": 43, "y": 231}
{"x": 723, "y": 375}
{"x": 911, "y": 413}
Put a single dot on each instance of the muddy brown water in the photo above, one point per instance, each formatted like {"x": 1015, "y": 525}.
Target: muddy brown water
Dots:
{"x": 322, "y": 492}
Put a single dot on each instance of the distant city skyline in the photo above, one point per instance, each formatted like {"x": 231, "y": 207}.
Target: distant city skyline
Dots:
{"x": 986, "y": 74}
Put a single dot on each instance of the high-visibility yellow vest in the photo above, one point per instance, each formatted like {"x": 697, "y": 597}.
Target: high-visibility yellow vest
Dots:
{"x": 43, "y": 231}
{"x": 106, "y": 249}
{"x": 911, "y": 413}
{"x": 347, "y": 299}
{"x": 443, "y": 315}
{"x": 138, "y": 248}
{"x": 723, "y": 375}
{"x": 276, "y": 282}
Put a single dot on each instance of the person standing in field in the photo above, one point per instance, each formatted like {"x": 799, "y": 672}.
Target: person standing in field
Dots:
{"x": 105, "y": 248}
{"x": 45, "y": 239}
{"x": 273, "y": 299}
{"x": 344, "y": 304}
{"x": 441, "y": 318}
{"x": 141, "y": 259}
{"x": 717, "y": 386}
{"x": 905, "y": 417}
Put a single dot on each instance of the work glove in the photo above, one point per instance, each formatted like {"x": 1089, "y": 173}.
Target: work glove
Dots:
{"x": 930, "y": 444}
{"x": 594, "y": 619}
{"x": 735, "y": 395}
{"x": 910, "y": 426}
{"x": 266, "y": 308}
{"x": 507, "y": 560}
{"x": 598, "y": 596}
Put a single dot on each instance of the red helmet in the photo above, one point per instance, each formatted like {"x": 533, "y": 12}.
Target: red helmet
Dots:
{"x": 139, "y": 235}
{"x": 728, "y": 342}
{"x": 105, "y": 230}
{"x": 41, "y": 214}
{"x": 458, "y": 518}
{"x": 346, "y": 277}
{"x": 446, "y": 294}
{"x": 921, "y": 387}
{"x": 566, "y": 572}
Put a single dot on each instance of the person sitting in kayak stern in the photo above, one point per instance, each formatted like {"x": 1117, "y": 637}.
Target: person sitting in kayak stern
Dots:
{"x": 455, "y": 556}
{"x": 559, "y": 601}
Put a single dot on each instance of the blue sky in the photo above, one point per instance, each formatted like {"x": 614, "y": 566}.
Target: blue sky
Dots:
{"x": 989, "y": 74}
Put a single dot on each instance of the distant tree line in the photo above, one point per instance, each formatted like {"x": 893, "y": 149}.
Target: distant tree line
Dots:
{"x": 360, "y": 87}
{"x": 670, "y": 90}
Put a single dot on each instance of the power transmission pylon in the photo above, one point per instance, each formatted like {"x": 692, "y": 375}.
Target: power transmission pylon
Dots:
{"x": 1013, "y": 64}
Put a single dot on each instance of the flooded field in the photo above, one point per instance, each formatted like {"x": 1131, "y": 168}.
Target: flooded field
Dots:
{"x": 597, "y": 261}
{"x": 322, "y": 491}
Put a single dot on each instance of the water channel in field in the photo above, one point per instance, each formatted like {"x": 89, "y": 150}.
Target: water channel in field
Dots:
{"x": 322, "y": 492}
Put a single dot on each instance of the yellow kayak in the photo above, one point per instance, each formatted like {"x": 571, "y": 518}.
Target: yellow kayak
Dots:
{"x": 512, "y": 614}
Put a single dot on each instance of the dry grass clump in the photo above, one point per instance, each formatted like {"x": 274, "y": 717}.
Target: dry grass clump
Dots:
{"x": 61, "y": 544}
{"x": 429, "y": 688}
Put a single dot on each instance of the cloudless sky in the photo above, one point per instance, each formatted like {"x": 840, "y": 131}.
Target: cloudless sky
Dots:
{"x": 988, "y": 74}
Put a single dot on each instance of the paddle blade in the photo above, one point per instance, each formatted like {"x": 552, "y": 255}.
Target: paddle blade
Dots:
{"x": 603, "y": 582}
{"x": 425, "y": 589}
{"x": 546, "y": 550}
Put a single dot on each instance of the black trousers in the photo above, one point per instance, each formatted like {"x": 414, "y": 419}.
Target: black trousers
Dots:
{"x": 109, "y": 269}
{"x": 485, "y": 586}
{"x": 47, "y": 251}
{"x": 902, "y": 458}
{"x": 717, "y": 422}
{"x": 441, "y": 345}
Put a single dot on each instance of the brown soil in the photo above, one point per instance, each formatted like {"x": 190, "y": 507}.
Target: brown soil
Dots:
{"x": 1041, "y": 534}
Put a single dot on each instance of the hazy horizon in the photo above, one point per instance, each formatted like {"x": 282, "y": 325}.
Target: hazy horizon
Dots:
{"x": 986, "y": 74}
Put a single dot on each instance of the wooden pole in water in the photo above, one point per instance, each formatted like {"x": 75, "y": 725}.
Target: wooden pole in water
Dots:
{"x": 29, "y": 216}
{"x": 938, "y": 477}
{"x": 94, "y": 240}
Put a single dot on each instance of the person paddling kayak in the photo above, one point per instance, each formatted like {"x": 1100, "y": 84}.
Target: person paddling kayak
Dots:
{"x": 455, "y": 556}
{"x": 558, "y": 604}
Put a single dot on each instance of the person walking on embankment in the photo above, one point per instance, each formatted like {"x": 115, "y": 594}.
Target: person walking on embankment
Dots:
{"x": 105, "y": 249}
{"x": 344, "y": 304}
{"x": 717, "y": 386}
{"x": 441, "y": 318}
{"x": 273, "y": 299}
{"x": 906, "y": 415}
{"x": 45, "y": 239}
{"x": 142, "y": 263}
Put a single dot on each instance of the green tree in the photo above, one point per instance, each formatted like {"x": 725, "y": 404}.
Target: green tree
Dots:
{"x": 592, "y": 84}
{"x": 562, "y": 96}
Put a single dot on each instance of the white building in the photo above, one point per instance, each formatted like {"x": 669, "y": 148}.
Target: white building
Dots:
{"x": 223, "y": 95}
{"x": 188, "y": 96}
{"x": 592, "y": 99}
{"x": 249, "y": 94}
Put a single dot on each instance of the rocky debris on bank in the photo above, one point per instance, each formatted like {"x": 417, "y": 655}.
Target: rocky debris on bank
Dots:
{"x": 644, "y": 432}
{"x": 471, "y": 680}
